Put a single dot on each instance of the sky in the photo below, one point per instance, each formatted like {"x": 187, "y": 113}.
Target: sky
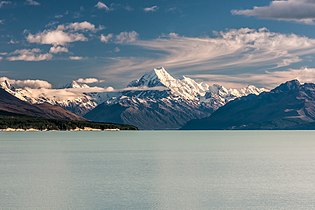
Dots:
{"x": 112, "y": 42}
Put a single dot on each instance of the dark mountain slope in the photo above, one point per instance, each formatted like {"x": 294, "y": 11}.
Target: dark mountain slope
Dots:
{"x": 289, "y": 106}
{"x": 11, "y": 104}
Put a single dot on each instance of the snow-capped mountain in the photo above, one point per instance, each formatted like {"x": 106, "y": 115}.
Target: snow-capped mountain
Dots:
{"x": 156, "y": 100}
{"x": 75, "y": 97}
{"x": 291, "y": 105}
{"x": 159, "y": 101}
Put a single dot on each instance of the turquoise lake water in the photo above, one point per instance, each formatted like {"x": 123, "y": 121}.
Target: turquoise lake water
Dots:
{"x": 158, "y": 170}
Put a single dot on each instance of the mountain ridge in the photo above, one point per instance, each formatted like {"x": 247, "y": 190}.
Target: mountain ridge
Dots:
{"x": 288, "y": 106}
{"x": 182, "y": 100}
{"x": 156, "y": 100}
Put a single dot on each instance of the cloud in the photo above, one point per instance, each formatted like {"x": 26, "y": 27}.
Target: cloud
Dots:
{"x": 151, "y": 9}
{"x": 302, "y": 11}
{"x": 76, "y": 58}
{"x": 55, "y": 37}
{"x": 267, "y": 79}
{"x": 116, "y": 49}
{"x": 27, "y": 83}
{"x": 13, "y": 42}
{"x": 232, "y": 51}
{"x": 126, "y": 37}
{"x": 102, "y": 6}
{"x": 29, "y": 55}
{"x": 106, "y": 38}
{"x": 84, "y": 26}
{"x": 58, "y": 49}
{"x": 89, "y": 80}
{"x": 32, "y": 2}
{"x": 62, "y": 35}
{"x": 1, "y": 22}
{"x": 4, "y": 3}
{"x": 2, "y": 54}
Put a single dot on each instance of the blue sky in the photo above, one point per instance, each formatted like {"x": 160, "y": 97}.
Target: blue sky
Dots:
{"x": 229, "y": 42}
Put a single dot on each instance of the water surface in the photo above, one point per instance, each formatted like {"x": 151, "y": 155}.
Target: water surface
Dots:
{"x": 157, "y": 170}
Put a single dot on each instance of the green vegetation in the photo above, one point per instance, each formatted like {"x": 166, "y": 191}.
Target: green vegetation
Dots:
{"x": 15, "y": 121}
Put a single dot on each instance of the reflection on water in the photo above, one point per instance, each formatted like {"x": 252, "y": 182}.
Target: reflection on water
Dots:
{"x": 157, "y": 170}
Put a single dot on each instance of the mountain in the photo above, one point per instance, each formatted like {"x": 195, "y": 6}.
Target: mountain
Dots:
{"x": 156, "y": 100}
{"x": 18, "y": 114}
{"x": 11, "y": 104}
{"x": 74, "y": 97}
{"x": 289, "y": 106}
{"x": 159, "y": 101}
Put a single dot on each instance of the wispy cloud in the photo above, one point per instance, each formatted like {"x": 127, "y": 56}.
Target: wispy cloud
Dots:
{"x": 236, "y": 49}
{"x": 13, "y": 41}
{"x": 76, "y": 58}
{"x": 4, "y": 3}
{"x": 267, "y": 79}
{"x": 32, "y": 2}
{"x": 29, "y": 55}
{"x": 102, "y": 6}
{"x": 151, "y": 9}
{"x": 302, "y": 11}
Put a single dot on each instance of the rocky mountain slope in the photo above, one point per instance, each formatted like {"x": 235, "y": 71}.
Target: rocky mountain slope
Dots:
{"x": 289, "y": 106}
{"x": 159, "y": 101}
{"x": 74, "y": 97}
{"x": 156, "y": 100}
{"x": 11, "y": 104}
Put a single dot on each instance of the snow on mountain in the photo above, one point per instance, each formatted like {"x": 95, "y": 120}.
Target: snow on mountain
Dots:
{"x": 75, "y": 97}
{"x": 186, "y": 88}
{"x": 156, "y": 96}
{"x": 290, "y": 106}
{"x": 75, "y": 84}
{"x": 179, "y": 101}
{"x": 189, "y": 89}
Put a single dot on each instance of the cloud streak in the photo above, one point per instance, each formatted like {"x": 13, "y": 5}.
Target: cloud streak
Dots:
{"x": 229, "y": 50}
{"x": 267, "y": 79}
{"x": 32, "y": 2}
{"x": 4, "y": 3}
{"x": 102, "y": 6}
{"x": 151, "y": 9}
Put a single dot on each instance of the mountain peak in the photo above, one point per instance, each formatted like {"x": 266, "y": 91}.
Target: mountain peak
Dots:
{"x": 75, "y": 84}
{"x": 288, "y": 86}
{"x": 157, "y": 77}
{"x": 6, "y": 85}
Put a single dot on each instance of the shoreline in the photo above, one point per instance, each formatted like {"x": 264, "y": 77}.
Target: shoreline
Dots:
{"x": 45, "y": 130}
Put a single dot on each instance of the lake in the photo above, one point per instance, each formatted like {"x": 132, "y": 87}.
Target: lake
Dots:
{"x": 158, "y": 170}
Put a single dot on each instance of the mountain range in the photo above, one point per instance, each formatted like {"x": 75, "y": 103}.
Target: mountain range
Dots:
{"x": 20, "y": 114}
{"x": 156, "y": 100}
{"x": 288, "y": 106}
